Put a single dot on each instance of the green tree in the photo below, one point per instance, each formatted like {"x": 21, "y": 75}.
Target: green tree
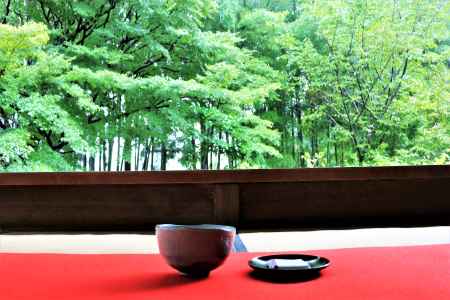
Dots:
{"x": 143, "y": 68}
{"x": 40, "y": 108}
{"x": 133, "y": 85}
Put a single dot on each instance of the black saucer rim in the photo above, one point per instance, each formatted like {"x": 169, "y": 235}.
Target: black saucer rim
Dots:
{"x": 325, "y": 262}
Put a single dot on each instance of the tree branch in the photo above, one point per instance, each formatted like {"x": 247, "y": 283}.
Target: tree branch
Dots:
{"x": 7, "y": 11}
{"x": 150, "y": 62}
{"x": 48, "y": 139}
{"x": 391, "y": 96}
{"x": 46, "y": 16}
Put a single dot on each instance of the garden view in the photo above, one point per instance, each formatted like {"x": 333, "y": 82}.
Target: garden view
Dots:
{"x": 113, "y": 85}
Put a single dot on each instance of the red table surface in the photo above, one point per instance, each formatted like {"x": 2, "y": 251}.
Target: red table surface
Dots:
{"x": 421, "y": 272}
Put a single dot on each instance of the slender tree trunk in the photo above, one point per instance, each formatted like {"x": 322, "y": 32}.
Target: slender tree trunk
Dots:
{"x": 210, "y": 158}
{"x": 138, "y": 155}
{"x": 210, "y": 148}
{"x": 229, "y": 152}
{"x": 163, "y": 157}
{"x": 127, "y": 154}
{"x": 92, "y": 162}
{"x": 328, "y": 145}
{"x": 359, "y": 152}
{"x": 110, "y": 151}
{"x": 336, "y": 156}
{"x": 100, "y": 153}
{"x": 194, "y": 154}
{"x": 218, "y": 160}
{"x": 218, "y": 153}
{"x": 152, "y": 156}
{"x": 301, "y": 139}
{"x": 80, "y": 160}
{"x": 292, "y": 137}
{"x": 84, "y": 159}
{"x": 105, "y": 159}
{"x": 146, "y": 155}
{"x": 203, "y": 147}
{"x": 294, "y": 9}
{"x": 119, "y": 156}
{"x": 316, "y": 144}
{"x": 360, "y": 156}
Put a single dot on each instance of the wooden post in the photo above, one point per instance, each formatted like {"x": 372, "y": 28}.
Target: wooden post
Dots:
{"x": 226, "y": 204}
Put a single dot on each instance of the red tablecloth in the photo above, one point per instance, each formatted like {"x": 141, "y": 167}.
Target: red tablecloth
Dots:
{"x": 365, "y": 273}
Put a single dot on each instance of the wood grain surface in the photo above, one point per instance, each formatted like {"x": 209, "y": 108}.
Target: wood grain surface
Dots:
{"x": 249, "y": 199}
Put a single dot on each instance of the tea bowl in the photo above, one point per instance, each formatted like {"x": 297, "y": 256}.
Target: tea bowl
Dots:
{"x": 195, "y": 250}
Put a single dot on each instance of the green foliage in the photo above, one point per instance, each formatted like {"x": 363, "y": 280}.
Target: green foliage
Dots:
{"x": 121, "y": 85}
{"x": 35, "y": 109}
{"x": 14, "y": 146}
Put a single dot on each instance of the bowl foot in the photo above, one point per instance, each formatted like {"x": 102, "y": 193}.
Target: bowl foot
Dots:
{"x": 196, "y": 274}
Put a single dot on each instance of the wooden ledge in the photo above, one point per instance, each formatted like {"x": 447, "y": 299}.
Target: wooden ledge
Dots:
{"x": 235, "y": 176}
{"x": 249, "y": 199}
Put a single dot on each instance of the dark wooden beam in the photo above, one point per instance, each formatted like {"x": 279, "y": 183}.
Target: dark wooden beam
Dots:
{"x": 249, "y": 199}
{"x": 235, "y": 176}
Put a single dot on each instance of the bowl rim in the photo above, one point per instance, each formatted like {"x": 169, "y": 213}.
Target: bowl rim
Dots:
{"x": 197, "y": 227}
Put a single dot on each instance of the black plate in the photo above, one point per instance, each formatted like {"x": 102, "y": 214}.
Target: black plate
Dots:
{"x": 266, "y": 267}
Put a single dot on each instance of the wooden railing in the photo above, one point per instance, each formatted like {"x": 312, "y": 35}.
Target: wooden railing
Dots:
{"x": 249, "y": 199}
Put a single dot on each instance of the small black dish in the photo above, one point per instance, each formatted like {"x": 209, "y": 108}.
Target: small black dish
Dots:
{"x": 288, "y": 267}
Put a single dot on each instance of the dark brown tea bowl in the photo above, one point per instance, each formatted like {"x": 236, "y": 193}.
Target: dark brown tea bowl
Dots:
{"x": 195, "y": 250}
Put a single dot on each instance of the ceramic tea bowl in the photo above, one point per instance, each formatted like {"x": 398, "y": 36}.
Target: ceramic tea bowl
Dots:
{"x": 195, "y": 250}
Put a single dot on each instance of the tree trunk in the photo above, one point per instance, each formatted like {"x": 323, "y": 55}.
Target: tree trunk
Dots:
{"x": 119, "y": 156}
{"x": 105, "y": 159}
{"x": 163, "y": 157}
{"x": 336, "y": 156}
{"x": 218, "y": 153}
{"x": 292, "y": 137}
{"x": 194, "y": 154}
{"x": 100, "y": 156}
{"x": 328, "y": 145}
{"x": 138, "y": 155}
{"x": 203, "y": 147}
{"x": 127, "y": 154}
{"x": 229, "y": 153}
{"x": 210, "y": 159}
{"x": 210, "y": 147}
{"x": 146, "y": 155}
{"x": 218, "y": 160}
{"x": 359, "y": 152}
{"x": 317, "y": 147}
{"x": 92, "y": 162}
{"x": 301, "y": 153}
{"x": 110, "y": 151}
{"x": 294, "y": 9}
{"x": 152, "y": 156}
{"x": 84, "y": 161}
{"x": 127, "y": 165}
